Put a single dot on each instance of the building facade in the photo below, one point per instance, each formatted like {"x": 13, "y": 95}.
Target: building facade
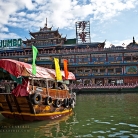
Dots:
{"x": 91, "y": 62}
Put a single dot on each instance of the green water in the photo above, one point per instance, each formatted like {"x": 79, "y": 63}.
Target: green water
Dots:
{"x": 95, "y": 115}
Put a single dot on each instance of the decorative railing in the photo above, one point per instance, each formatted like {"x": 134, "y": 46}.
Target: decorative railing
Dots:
{"x": 67, "y": 51}
{"x": 90, "y": 86}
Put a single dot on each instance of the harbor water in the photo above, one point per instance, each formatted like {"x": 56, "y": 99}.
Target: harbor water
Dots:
{"x": 95, "y": 115}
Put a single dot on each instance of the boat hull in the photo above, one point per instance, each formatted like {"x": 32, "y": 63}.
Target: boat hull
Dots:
{"x": 35, "y": 117}
{"x": 23, "y": 109}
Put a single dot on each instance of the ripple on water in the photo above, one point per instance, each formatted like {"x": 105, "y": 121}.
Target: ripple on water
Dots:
{"x": 99, "y": 131}
{"x": 87, "y": 135}
{"x": 104, "y": 122}
{"x": 115, "y": 134}
{"x": 122, "y": 123}
{"x": 98, "y": 121}
{"x": 88, "y": 120}
{"x": 134, "y": 135}
{"x": 88, "y": 124}
{"x": 113, "y": 128}
{"x": 133, "y": 125}
{"x": 124, "y": 131}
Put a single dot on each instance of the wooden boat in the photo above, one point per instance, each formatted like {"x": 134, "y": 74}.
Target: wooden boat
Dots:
{"x": 32, "y": 97}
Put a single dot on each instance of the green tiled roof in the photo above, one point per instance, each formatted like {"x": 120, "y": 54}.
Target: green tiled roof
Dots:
{"x": 70, "y": 41}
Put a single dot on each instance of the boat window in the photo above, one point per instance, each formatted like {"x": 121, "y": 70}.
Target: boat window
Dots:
{"x": 127, "y": 58}
{"x": 94, "y": 59}
{"x": 119, "y": 58}
{"x": 79, "y": 71}
{"x": 87, "y": 71}
{"x": 102, "y": 70}
{"x": 135, "y": 56}
{"x": 111, "y": 59}
{"x": 102, "y": 59}
{"x": 119, "y": 81}
{"x": 118, "y": 70}
{"x": 110, "y": 70}
{"x": 94, "y": 70}
{"x": 50, "y": 83}
{"x": 39, "y": 83}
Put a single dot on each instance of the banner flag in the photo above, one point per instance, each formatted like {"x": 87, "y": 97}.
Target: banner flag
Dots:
{"x": 65, "y": 62}
{"x": 35, "y": 52}
{"x": 57, "y": 68}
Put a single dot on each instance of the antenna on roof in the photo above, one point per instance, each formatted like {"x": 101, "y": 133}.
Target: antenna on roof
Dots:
{"x": 46, "y": 23}
{"x": 133, "y": 40}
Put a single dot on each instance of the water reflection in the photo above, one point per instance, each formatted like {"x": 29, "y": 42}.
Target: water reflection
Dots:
{"x": 50, "y": 128}
{"x": 55, "y": 128}
{"x": 95, "y": 115}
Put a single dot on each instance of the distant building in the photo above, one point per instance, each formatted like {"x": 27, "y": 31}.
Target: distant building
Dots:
{"x": 90, "y": 61}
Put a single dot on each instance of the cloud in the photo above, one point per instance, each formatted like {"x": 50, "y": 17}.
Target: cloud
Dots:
{"x": 61, "y": 13}
{"x": 4, "y": 29}
{"x": 10, "y": 7}
{"x": 105, "y": 9}
{"x": 8, "y": 36}
{"x": 123, "y": 43}
{"x": 30, "y": 15}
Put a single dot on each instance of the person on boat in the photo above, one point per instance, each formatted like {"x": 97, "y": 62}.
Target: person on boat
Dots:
{"x": 65, "y": 87}
{"x": 60, "y": 86}
{"x": 7, "y": 86}
{"x": 0, "y": 86}
{"x": 53, "y": 86}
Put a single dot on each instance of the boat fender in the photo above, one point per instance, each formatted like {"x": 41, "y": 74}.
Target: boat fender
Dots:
{"x": 73, "y": 104}
{"x": 48, "y": 100}
{"x": 36, "y": 98}
{"x": 74, "y": 97}
{"x": 66, "y": 102}
{"x": 57, "y": 103}
{"x": 70, "y": 101}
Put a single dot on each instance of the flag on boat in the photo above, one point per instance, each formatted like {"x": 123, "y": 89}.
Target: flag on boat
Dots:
{"x": 65, "y": 62}
{"x": 35, "y": 52}
{"x": 57, "y": 68}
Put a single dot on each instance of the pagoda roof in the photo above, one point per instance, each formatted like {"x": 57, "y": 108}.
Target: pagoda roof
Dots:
{"x": 44, "y": 32}
{"x": 132, "y": 45}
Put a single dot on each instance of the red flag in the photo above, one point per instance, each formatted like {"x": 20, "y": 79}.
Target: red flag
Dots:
{"x": 65, "y": 62}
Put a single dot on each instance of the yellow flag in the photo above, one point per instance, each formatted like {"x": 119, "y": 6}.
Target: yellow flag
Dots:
{"x": 57, "y": 68}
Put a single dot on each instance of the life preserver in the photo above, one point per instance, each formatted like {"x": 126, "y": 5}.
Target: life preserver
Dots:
{"x": 66, "y": 102}
{"x": 36, "y": 98}
{"x": 57, "y": 103}
{"x": 48, "y": 100}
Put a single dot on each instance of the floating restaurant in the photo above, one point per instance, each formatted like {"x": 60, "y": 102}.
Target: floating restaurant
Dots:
{"x": 93, "y": 65}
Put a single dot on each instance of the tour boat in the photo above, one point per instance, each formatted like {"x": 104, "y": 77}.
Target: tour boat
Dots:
{"x": 31, "y": 97}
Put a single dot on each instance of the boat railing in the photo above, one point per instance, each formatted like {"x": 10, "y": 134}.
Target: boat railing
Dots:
{"x": 93, "y": 86}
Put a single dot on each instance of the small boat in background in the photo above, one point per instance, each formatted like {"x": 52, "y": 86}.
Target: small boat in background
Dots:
{"x": 31, "y": 97}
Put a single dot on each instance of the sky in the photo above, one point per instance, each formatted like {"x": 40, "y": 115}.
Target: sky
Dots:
{"x": 115, "y": 21}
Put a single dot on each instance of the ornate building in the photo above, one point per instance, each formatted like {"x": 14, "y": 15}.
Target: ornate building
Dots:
{"x": 90, "y": 61}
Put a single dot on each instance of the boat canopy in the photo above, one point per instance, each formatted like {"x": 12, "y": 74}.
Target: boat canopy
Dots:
{"x": 20, "y": 69}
